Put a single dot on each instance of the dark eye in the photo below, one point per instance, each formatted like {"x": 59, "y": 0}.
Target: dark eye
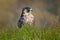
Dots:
{"x": 28, "y": 10}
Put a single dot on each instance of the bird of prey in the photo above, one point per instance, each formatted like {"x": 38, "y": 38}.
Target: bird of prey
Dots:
{"x": 26, "y": 17}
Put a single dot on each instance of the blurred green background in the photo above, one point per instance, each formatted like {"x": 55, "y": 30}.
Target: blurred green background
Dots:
{"x": 47, "y": 16}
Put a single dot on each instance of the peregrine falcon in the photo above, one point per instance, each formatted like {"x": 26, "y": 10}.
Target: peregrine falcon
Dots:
{"x": 26, "y": 17}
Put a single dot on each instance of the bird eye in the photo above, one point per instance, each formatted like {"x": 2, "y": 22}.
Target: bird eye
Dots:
{"x": 28, "y": 10}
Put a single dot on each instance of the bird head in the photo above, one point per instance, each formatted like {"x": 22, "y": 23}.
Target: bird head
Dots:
{"x": 27, "y": 10}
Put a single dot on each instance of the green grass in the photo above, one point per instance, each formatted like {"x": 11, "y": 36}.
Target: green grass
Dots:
{"x": 31, "y": 33}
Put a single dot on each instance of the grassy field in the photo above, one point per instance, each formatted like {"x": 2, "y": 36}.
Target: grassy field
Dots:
{"x": 31, "y": 33}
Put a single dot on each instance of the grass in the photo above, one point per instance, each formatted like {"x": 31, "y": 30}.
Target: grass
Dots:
{"x": 31, "y": 33}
